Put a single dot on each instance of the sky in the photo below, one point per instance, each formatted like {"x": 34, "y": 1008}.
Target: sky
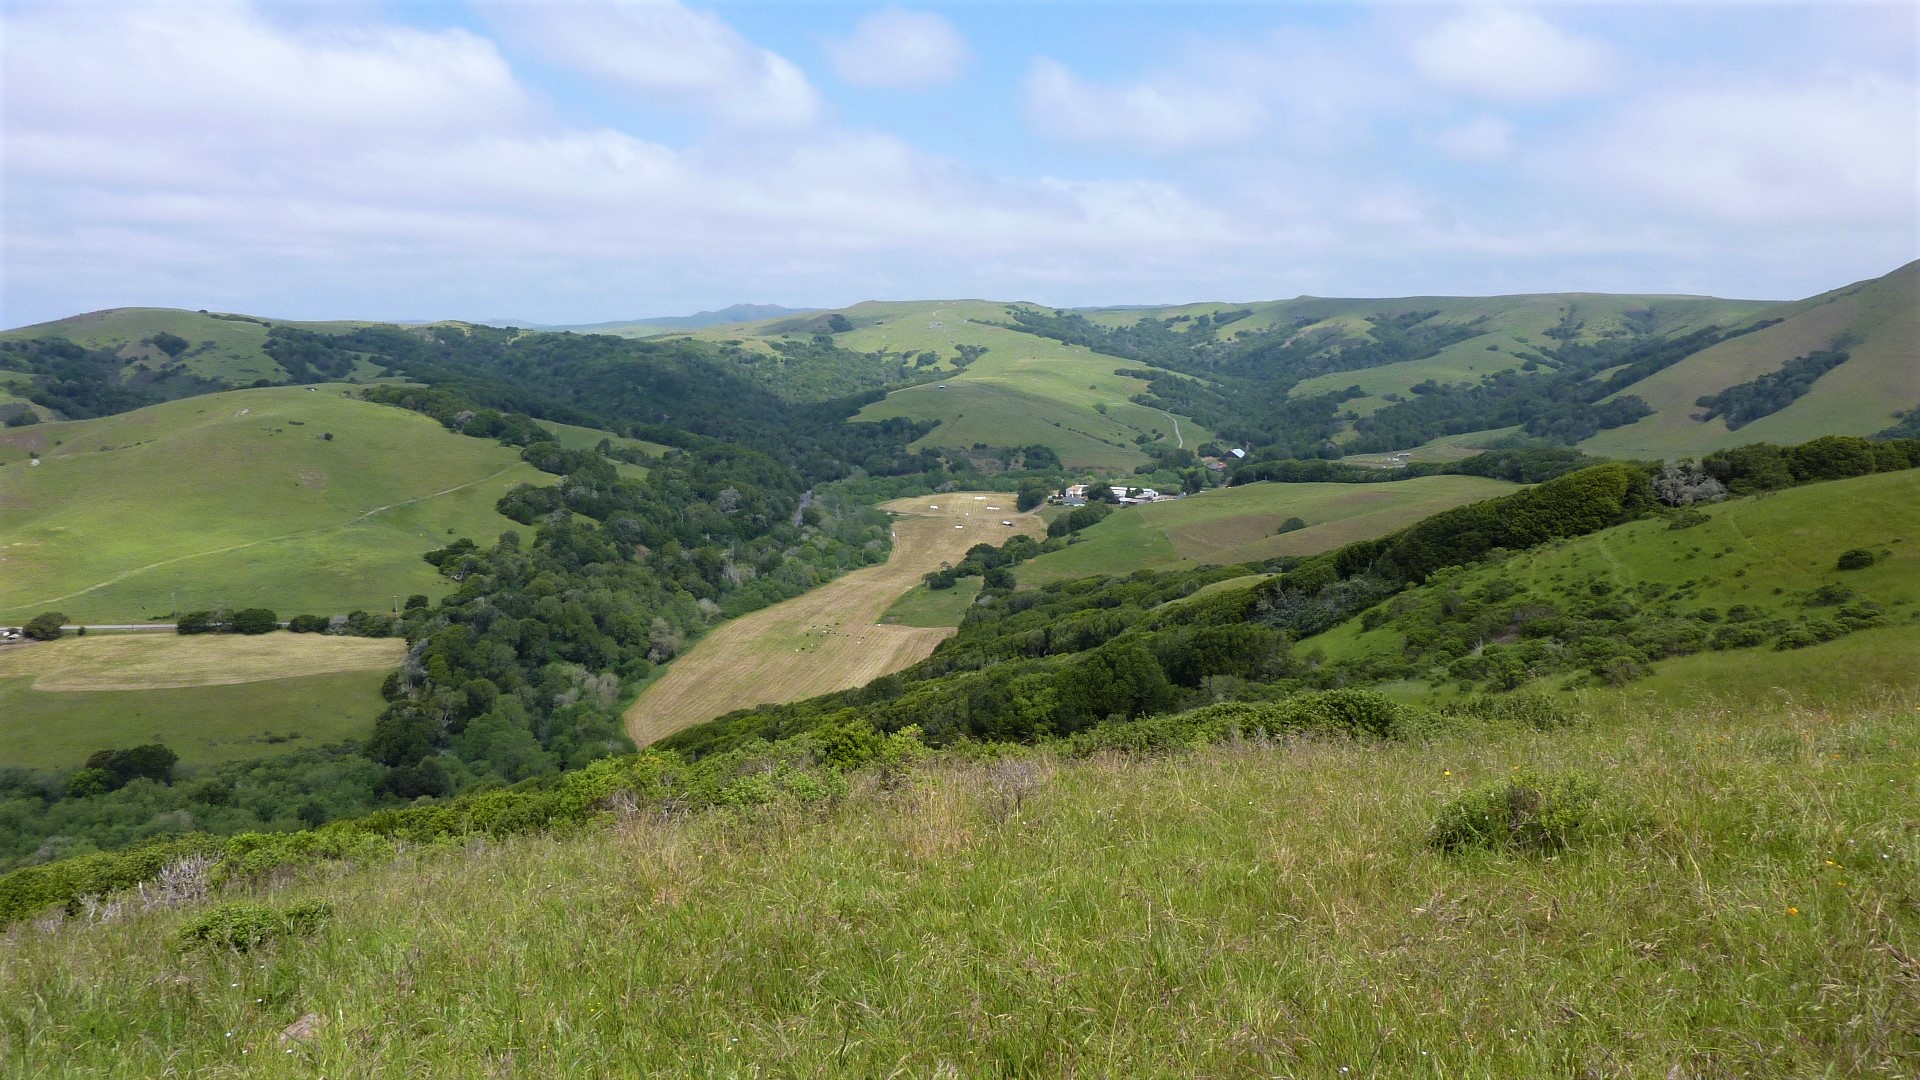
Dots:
{"x": 575, "y": 162}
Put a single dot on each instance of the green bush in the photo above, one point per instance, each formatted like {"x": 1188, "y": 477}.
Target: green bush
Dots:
{"x": 308, "y": 624}
{"x": 1526, "y": 708}
{"x": 1857, "y": 559}
{"x": 240, "y": 925}
{"x": 45, "y": 626}
{"x": 255, "y": 621}
{"x": 1529, "y": 813}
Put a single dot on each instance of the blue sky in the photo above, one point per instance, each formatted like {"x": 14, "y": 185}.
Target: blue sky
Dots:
{"x": 584, "y": 161}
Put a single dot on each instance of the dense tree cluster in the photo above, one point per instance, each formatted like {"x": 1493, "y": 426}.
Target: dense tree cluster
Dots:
{"x": 1521, "y": 466}
{"x": 1749, "y": 401}
{"x": 80, "y": 383}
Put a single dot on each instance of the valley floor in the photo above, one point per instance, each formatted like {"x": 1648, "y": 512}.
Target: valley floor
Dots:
{"x": 832, "y": 637}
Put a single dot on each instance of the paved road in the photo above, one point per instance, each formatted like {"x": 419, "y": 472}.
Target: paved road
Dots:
{"x": 125, "y": 626}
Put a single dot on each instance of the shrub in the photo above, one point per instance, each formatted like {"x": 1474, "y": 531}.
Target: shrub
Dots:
{"x": 1353, "y": 712}
{"x": 1797, "y": 638}
{"x": 240, "y": 925}
{"x": 1529, "y": 813}
{"x": 308, "y": 624}
{"x": 1526, "y": 708}
{"x": 203, "y": 622}
{"x": 1857, "y": 559}
{"x": 255, "y": 621}
{"x": 44, "y": 626}
{"x": 91, "y": 781}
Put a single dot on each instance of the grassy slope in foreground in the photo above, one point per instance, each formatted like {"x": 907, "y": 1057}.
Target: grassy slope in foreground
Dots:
{"x": 239, "y": 499}
{"x": 1238, "y": 524}
{"x": 213, "y": 698}
{"x": 1024, "y": 390}
{"x": 832, "y": 637}
{"x": 1881, "y": 376}
{"x": 1251, "y": 910}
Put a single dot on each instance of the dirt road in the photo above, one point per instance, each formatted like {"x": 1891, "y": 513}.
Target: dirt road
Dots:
{"x": 830, "y": 638}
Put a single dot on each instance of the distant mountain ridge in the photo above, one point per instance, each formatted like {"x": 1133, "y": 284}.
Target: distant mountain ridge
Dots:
{"x": 699, "y": 320}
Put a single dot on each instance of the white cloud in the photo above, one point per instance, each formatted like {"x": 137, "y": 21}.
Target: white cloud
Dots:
{"x": 893, "y": 47}
{"x": 664, "y": 51}
{"x": 220, "y": 71}
{"x": 1161, "y": 116}
{"x": 1837, "y": 152}
{"x": 1510, "y": 55}
{"x": 1484, "y": 138}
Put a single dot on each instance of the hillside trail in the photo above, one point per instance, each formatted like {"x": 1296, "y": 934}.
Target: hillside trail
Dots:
{"x": 829, "y": 638}
{"x": 349, "y": 523}
{"x": 1178, "y": 442}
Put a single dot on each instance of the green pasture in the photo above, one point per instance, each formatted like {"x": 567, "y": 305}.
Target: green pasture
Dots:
{"x": 922, "y": 606}
{"x": 203, "y": 724}
{"x": 575, "y": 437}
{"x": 1241, "y": 524}
{"x": 239, "y": 499}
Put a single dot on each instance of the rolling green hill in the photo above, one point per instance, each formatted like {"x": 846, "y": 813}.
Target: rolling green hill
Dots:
{"x": 1510, "y": 330}
{"x": 1881, "y": 317}
{"x": 225, "y": 347}
{"x": 1022, "y": 390}
{"x": 241, "y": 499}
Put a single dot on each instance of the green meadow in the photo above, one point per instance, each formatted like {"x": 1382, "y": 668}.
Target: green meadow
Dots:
{"x": 203, "y": 724}
{"x": 1241, "y": 524}
{"x": 240, "y": 499}
{"x": 922, "y": 606}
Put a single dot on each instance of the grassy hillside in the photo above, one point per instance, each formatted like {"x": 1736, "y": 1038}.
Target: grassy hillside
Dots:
{"x": 1881, "y": 377}
{"x": 1023, "y": 390}
{"x": 240, "y": 499}
{"x": 1742, "y": 903}
{"x": 1511, "y": 330}
{"x": 224, "y": 347}
{"x": 1756, "y": 562}
{"x": 1241, "y": 524}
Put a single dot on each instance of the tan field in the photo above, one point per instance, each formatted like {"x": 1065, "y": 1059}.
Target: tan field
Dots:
{"x": 830, "y": 638}
{"x": 162, "y": 661}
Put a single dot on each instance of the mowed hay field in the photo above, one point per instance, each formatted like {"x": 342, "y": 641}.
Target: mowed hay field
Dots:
{"x": 212, "y": 698}
{"x": 832, "y": 637}
{"x": 239, "y": 499}
{"x": 1240, "y": 524}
